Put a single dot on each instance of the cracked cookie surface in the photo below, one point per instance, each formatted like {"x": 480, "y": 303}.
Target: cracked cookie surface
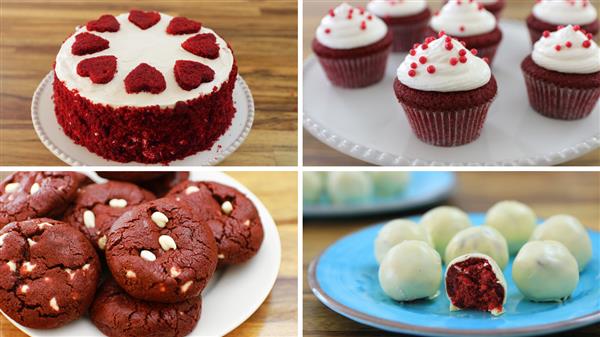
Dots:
{"x": 159, "y": 251}
{"x": 48, "y": 273}
{"x": 97, "y": 206}
{"x": 115, "y": 313}
{"x": 232, "y": 217}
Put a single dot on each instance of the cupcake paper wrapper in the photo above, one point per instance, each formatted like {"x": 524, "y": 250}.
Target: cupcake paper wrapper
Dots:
{"x": 557, "y": 102}
{"x": 447, "y": 128}
{"x": 405, "y": 36}
{"x": 356, "y": 72}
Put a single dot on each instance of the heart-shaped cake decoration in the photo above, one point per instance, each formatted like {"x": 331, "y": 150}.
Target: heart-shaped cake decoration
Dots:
{"x": 181, "y": 25}
{"x": 145, "y": 78}
{"x": 203, "y": 45}
{"x": 106, "y": 23}
{"x": 87, "y": 43}
{"x": 189, "y": 74}
{"x": 100, "y": 69}
{"x": 142, "y": 19}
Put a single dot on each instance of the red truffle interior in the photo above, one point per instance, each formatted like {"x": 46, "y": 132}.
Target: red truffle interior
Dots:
{"x": 472, "y": 284}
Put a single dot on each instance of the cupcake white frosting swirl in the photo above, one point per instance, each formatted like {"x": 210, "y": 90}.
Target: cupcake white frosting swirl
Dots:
{"x": 463, "y": 18}
{"x": 443, "y": 65}
{"x": 346, "y": 27}
{"x": 396, "y": 8}
{"x": 567, "y": 50}
{"x": 563, "y": 12}
{"x": 487, "y": 2}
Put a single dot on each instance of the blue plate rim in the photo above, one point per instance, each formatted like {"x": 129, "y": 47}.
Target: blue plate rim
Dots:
{"x": 393, "y": 326}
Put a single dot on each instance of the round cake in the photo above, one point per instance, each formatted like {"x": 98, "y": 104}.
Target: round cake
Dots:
{"x": 144, "y": 87}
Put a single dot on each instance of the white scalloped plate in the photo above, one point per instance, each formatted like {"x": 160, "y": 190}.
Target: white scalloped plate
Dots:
{"x": 52, "y": 136}
{"x": 369, "y": 124}
{"x": 233, "y": 293}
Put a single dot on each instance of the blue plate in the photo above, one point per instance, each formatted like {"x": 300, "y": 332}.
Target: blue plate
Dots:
{"x": 424, "y": 188}
{"x": 344, "y": 278}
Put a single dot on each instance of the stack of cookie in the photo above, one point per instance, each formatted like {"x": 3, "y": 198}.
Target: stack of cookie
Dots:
{"x": 159, "y": 253}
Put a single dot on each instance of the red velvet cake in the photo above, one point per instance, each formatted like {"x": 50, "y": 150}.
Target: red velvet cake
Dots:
{"x": 547, "y": 14}
{"x": 474, "y": 281}
{"x": 144, "y": 87}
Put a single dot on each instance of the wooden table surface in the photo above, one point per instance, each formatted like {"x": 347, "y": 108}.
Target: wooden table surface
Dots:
{"x": 278, "y": 314}
{"x": 263, "y": 35}
{"x": 317, "y": 153}
{"x": 547, "y": 193}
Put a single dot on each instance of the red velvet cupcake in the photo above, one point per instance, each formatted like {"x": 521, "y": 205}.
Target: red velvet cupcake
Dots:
{"x": 352, "y": 46}
{"x": 445, "y": 91}
{"x": 493, "y": 6}
{"x": 471, "y": 23}
{"x": 547, "y": 14}
{"x": 407, "y": 20}
{"x": 562, "y": 74}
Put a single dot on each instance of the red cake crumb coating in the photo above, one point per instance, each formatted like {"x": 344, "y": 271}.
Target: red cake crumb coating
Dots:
{"x": 145, "y": 78}
{"x": 408, "y": 30}
{"x": 99, "y": 69}
{"x": 203, "y": 45}
{"x": 189, "y": 74}
{"x": 142, "y": 19}
{"x": 106, "y": 23}
{"x": 148, "y": 134}
{"x": 472, "y": 284}
{"x": 87, "y": 43}
{"x": 181, "y": 25}
{"x": 537, "y": 27}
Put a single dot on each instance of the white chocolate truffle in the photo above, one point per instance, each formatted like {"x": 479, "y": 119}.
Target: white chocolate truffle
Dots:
{"x": 481, "y": 239}
{"x": 411, "y": 270}
{"x": 349, "y": 187}
{"x": 475, "y": 281}
{"x": 388, "y": 184}
{"x": 567, "y": 230}
{"x": 443, "y": 223}
{"x": 514, "y": 220}
{"x": 396, "y": 231}
{"x": 545, "y": 271}
{"x": 312, "y": 187}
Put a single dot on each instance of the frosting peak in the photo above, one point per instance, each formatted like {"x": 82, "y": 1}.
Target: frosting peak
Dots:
{"x": 563, "y": 12}
{"x": 443, "y": 65}
{"x": 567, "y": 50}
{"x": 396, "y": 8}
{"x": 347, "y": 27}
{"x": 463, "y": 18}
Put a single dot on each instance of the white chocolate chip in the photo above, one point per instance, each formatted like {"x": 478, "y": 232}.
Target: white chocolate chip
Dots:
{"x": 2, "y": 239}
{"x": 31, "y": 242}
{"x": 24, "y": 288}
{"x": 130, "y": 274}
{"x": 247, "y": 223}
{"x": 186, "y": 286}
{"x": 89, "y": 219}
{"x": 34, "y": 188}
{"x": 28, "y": 266}
{"x": 175, "y": 271}
{"x": 159, "y": 219}
{"x": 11, "y": 265}
{"x": 9, "y": 188}
{"x": 86, "y": 266}
{"x": 191, "y": 189}
{"x": 166, "y": 242}
{"x": 53, "y": 304}
{"x": 221, "y": 256}
{"x": 71, "y": 273}
{"x": 44, "y": 225}
{"x": 227, "y": 207}
{"x": 102, "y": 242}
{"x": 117, "y": 203}
{"x": 147, "y": 255}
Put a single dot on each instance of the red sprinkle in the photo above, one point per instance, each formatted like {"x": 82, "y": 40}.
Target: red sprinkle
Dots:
{"x": 363, "y": 25}
{"x": 431, "y": 69}
{"x": 557, "y": 47}
{"x": 568, "y": 44}
{"x": 586, "y": 44}
{"x": 414, "y": 65}
{"x": 486, "y": 60}
{"x": 327, "y": 31}
{"x": 412, "y": 52}
{"x": 462, "y": 52}
{"x": 441, "y": 33}
{"x": 474, "y": 51}
{"x": 412, "y": 73}
{"x": 423, "y": 59}
{"x": 576, "y": 27}
{"x": 546, "y": 33}
{"x": 462, "y": 59}
{"x": 424, "y": 46}
{"x": 453, "y": 61}
{"x": 449, "y": 46}
{"x": 461, "y": 28}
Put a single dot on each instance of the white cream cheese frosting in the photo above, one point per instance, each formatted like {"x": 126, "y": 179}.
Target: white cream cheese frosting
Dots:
{"x": 445, "y": 65}
{"x": 347, "y": 27}
{"x": 132, "y": 46}
{"x": 463, "y": 18}
{"x": 487, "y": 2}
{"x": 567, "y": 50}
{"x": 396, "y": 8}
{"x": 564, "y": 12}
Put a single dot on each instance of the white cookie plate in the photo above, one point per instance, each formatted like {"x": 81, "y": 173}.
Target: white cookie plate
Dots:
{"x": 369, "y": 123}
{"x": 52, "y": 136}
{"x": 233, "y": 293}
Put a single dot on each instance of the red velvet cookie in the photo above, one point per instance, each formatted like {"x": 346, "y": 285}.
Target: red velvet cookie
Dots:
{"x": 48, "y": 273}
{"x": 159, "y": 183}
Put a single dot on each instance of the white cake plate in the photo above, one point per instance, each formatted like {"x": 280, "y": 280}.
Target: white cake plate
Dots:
{"x": 52, "y": 136}
{"x": 369, "y": 124}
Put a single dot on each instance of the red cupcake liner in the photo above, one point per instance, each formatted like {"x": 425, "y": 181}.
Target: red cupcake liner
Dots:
{"x": 405, "y": 36}
{"x": 356, "y": 72}
{"x": 447, "y": 128}
{"x": 560, "y": 102}
{"x": 489, "y": 52}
